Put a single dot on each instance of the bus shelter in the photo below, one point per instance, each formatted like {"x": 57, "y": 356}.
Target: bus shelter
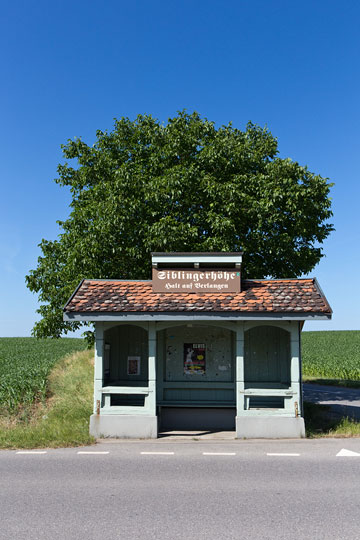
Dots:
{"x": 196, "y": 347}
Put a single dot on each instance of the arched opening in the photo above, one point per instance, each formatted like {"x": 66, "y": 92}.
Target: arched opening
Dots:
{"x": 125, "y": 362}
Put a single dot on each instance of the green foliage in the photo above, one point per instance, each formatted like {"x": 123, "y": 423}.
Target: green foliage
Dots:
{"x": 25, "y": 364}
{"x": 331, "y": 355}
{"x": 184, "y": 186}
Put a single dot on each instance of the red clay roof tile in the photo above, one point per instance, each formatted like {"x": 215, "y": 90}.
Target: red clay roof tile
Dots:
{"x": 287, "y": 295}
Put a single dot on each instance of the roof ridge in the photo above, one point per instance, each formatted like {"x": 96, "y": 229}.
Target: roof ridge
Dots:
{"x": 279, "y": 279}
{"x": 117, "y": 280}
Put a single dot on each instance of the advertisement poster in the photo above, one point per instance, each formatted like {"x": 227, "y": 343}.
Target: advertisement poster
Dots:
{"x": 194, "y": 359}
{"x": 133, "y": 365}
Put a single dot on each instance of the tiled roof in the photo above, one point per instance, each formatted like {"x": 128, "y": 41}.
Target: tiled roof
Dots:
{"x": 270, "y": 296}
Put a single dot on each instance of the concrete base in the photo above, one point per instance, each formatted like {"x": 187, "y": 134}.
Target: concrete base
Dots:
{"x": 269, "y": 427}
{"x": 124, "y": 426}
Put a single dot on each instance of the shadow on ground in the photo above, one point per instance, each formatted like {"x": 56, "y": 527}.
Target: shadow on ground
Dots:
{"x": 198, "y": 434}
{"x": 344, "y": 402}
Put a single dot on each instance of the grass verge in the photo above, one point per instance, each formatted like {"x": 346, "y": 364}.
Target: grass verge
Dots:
{"x": 63, "y": 420}
{"x": 321, "y": 422}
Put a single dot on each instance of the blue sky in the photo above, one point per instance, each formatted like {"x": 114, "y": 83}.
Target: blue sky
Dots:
{"x": 69, "y": 68}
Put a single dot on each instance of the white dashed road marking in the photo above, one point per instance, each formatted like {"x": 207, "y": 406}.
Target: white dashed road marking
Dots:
{"x": 342, "y": 453}
{"x": 281, "y": 454}
{"x": 91, "y": 453}
{"x": 31, "y": 452}
{"x": 219, "y": 453}
{"x": 158, "y": 453}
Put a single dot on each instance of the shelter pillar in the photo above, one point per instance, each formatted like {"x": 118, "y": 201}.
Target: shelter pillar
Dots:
{"x": 240, "y": 379}
{"x": 295, "y": 369}
{"x": 98, "y": 366}
{"x": 151, "y": 399}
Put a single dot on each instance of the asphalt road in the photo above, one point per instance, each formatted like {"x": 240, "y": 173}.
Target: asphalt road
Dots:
{"x": 187, "y": 491}
{"x": 343, "y": 401}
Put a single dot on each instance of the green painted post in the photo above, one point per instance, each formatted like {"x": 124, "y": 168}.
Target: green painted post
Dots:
{"x": 295, "y": 368}
{"x": 151, "y": 399}
{"x": 240, "y": 379}
{"x": 98, "y": 366}
{"x": 160, "y": 363}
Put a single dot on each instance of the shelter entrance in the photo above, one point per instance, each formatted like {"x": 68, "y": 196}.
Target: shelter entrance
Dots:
{"x": 196, "y": 378}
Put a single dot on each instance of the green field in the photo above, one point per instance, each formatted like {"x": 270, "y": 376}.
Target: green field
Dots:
{"x": 331, "y": 355}
{"x": 25, "y": 364}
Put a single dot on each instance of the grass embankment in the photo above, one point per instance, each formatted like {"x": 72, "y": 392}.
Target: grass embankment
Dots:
{"x": 59, "y": 413}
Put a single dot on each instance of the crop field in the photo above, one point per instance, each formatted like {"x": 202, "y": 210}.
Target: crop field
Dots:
{"x": 25, "y": 364}
{"x": 331, "y": 355}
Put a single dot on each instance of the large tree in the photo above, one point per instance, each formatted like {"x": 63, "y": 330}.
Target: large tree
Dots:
{"x": 184, "y": 186}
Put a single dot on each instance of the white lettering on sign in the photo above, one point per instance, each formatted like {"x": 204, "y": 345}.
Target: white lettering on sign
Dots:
{"x": 218, "y": 286}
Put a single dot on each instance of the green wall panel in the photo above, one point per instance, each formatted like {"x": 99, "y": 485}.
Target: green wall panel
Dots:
{"x": 267, "y": 355}
{"x": 125, "y": 341}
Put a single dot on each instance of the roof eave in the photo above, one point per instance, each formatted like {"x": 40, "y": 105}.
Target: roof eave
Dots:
{"x": 101, "y": 316}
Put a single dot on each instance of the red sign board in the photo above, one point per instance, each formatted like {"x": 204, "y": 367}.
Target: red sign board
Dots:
{"x": 188, "y": 280}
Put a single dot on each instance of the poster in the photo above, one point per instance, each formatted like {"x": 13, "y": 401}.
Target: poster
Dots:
{"x": 194, "y": 359}
{"x": 133, "y": 365}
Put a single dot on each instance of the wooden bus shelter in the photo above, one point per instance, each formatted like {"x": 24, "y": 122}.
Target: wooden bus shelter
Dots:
{"x": 197, "y": 348}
